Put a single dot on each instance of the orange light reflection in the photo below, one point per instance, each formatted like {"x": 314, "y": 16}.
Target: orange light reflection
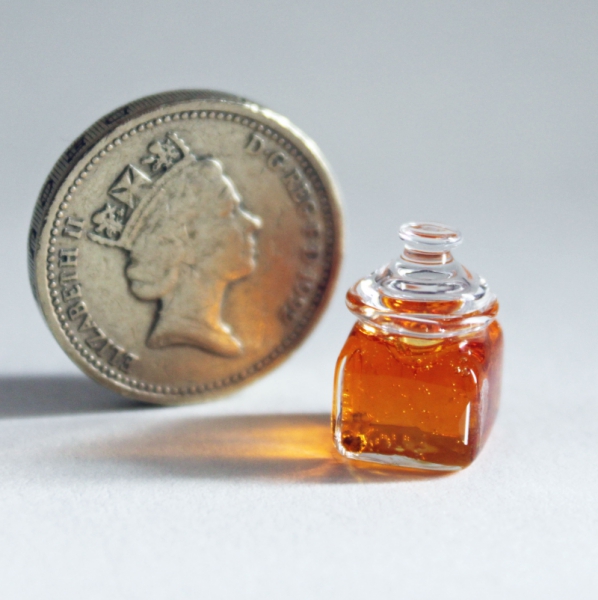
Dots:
{"x": 292, "y": 447}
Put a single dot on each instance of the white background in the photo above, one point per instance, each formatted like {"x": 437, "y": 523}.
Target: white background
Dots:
{"x": 480, "y": 114}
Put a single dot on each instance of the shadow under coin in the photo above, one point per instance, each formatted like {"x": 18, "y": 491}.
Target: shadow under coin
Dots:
{"x": 291, "y": 447}
{"x": 37, "y": 396}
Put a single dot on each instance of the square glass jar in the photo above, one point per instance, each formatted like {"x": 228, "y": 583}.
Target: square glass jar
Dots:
{"x": 417, "y": 383}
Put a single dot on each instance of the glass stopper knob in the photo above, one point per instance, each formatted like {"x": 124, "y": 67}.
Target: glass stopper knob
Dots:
{"x": 429, "y": 242}
{"x": 431, "y": 237}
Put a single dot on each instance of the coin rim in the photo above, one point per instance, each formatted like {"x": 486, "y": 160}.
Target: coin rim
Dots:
{"x": 87, "y": 143}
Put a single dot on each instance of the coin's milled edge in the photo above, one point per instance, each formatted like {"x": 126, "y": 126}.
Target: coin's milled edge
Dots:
{"x": 315, "y": 169}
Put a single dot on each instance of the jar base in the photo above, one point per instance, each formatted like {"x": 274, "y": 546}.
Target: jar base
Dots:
{"x": 395, "y": 460}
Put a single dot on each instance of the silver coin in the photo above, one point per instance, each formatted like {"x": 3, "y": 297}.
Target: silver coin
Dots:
{"x": 184, "y": 245}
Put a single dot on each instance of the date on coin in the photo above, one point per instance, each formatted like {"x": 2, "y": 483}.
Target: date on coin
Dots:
{"x": 184, "y": 245}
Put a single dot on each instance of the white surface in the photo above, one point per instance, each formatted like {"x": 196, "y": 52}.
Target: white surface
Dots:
{"x": 478, "y": 114}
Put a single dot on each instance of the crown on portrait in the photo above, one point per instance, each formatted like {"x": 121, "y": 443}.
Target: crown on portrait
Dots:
{"x": 135, "y": 191}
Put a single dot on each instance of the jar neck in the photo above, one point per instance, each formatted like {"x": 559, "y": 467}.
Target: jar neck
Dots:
{"x": 420, "y": 319}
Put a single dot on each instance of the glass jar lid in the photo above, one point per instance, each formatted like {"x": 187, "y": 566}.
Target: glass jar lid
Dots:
{"x": 426, "y": 292}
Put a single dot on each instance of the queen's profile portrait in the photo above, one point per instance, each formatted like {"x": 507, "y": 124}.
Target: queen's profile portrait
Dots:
{"x": 188, "y": 236}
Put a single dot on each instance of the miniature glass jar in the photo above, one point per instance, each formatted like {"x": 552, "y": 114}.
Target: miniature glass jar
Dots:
{"x": 417, "y": 383}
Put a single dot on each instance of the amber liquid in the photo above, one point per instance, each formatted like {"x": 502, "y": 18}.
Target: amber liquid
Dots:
{"x": 430, "y": 401}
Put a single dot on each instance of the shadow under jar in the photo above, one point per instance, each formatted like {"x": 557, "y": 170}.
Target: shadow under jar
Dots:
{"x": 417, "y": 383}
